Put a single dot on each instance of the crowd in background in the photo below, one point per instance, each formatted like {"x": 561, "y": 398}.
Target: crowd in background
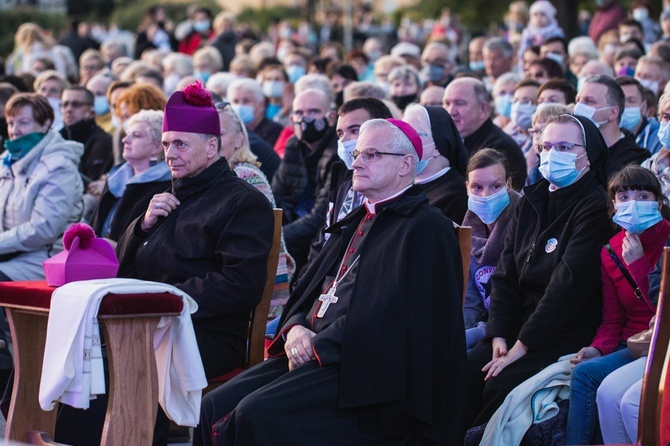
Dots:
{"x": 279, "y": 92}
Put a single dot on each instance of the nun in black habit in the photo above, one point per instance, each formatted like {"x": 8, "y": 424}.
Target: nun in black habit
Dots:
{"x": 444, "y": 161}
{"x": 546, "y": 291}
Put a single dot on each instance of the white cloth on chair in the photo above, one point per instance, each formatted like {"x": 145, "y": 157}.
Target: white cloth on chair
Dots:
{"x": 72, "y": 367}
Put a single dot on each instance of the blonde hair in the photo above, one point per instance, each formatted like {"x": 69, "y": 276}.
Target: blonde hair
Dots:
{"x": 242, "y": 154}
{"x": 210, "y": 54}
{"x": 663, "y": 102}
{"x": 154, "y": 121}
{"x": 29, "y": 33}
{"x": 49, "y": 75}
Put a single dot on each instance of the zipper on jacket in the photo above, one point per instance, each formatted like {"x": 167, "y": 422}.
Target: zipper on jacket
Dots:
{"x": 530, "y": 254}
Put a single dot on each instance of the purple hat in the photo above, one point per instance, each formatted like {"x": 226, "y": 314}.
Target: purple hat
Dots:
{"x": 411, "y": 134}
{"x": 193, "y": 111}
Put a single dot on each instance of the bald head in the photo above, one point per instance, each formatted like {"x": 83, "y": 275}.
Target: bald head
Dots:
{"x": 466, "y": 100}
{"x": 432, "y": 96}
{"x": 312, "y": 97}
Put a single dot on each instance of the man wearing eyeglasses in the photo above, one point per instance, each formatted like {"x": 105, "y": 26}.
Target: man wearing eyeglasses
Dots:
{"x": 371, "y": 347}
{"x": 300, "y": 184}
{"x": 79, "y": 120}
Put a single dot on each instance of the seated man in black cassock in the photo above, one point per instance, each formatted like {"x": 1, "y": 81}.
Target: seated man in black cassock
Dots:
{"x": 370, "y": 348}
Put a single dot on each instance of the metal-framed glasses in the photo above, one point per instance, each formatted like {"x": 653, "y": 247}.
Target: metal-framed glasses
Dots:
{"x": 372, "y": 154}
{"x": 560, "y": 147}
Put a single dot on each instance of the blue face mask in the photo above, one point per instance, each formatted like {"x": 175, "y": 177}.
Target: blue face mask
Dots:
{"x": 271, "y": 111}
{"x": 637, "y": 216}
{"x": 100, "y": 105}
{"x": 626, "y": 71}
{"x": 488, "y": 209}
{"x": 424, "y": 163}
{"x": 202, "y": 75}
{"x": 476, "y": 65}
{"x": 432, "y": 73}
{"x": 504, "y": 105}
{"x": 295, "y": 72}
{"x": 245, "y": 112}
{"x": 630, "y": 117}
{"x": 664, "y": 135}
{"x": 559, "y": 167}
{"x": 344, "y": 151}
{"x": 558, "y": 58}
{"x": 201, "y": 26}
{"x": 522, "y": 114}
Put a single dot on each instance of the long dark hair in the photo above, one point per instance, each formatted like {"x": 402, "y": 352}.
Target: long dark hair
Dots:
{"x": 634, "y": 177}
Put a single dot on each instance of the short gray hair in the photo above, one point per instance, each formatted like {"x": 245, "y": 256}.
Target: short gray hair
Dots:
{"x": 507, "y": 77}
{"x": 246, "y": 84}
{"x": 210, "y": 54}
{"x": 399, "y": 141}
{"x": 583, "y": 45}
{"x": 404, "y": 73}
{"x": 154, "y": 121}
{"x": 318, "y": 82}
{"x": 498, "y": 43}
{"x": 180, "y": 63}
{"x": 364, "y": 89}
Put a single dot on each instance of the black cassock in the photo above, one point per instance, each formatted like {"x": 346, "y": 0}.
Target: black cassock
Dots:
{"x": 390, "y": 365}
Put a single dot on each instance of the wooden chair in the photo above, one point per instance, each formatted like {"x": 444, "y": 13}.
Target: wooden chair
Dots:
{"x": 259, "y": 317}
{"x": 464, "y": 235}
{"x": 654, "y": 419}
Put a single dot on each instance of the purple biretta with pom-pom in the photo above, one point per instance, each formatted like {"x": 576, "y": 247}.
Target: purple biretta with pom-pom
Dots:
{"x": 85, "y": 257}
{"x": 193, "y": 111}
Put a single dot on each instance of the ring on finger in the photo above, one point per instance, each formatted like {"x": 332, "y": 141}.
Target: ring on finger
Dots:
{"x": 159, "y": 205}
{"x": 294, "y": 351}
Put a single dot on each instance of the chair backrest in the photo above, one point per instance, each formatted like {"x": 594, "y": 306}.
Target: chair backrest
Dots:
{"x": 464, "y": 235}
{"x": 653, "y": 422}
{"x": 259, "y": 317}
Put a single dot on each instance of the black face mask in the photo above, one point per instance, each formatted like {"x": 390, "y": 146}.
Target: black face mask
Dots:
{"x": 403, "y": 101}
{"x": 310, "y": 130}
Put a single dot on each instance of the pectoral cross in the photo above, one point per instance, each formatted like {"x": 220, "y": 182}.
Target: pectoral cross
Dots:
{"x": 326, "y": 300}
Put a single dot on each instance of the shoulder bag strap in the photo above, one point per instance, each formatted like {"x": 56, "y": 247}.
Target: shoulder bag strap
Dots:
{"x": 624, "y": 271}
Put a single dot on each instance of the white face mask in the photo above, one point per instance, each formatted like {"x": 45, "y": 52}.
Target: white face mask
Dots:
{"x": 522, "y": 114}
{"x": 651, "y": 85}
{"x": 273, "y": 89}
{"x": 58, "y": 123}
{"x": 640, "y": 14}
{"x": 555, "y": 57}
{"x": 587, "y": 111}
{"x": 344, "y": 151}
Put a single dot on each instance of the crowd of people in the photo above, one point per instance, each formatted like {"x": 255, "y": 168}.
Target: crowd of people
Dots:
{"x": 176, "y": 141}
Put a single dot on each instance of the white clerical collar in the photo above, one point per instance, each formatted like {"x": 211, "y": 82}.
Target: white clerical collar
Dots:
{"x": 372, "y": 207}
{"x": 433, "y": 177}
